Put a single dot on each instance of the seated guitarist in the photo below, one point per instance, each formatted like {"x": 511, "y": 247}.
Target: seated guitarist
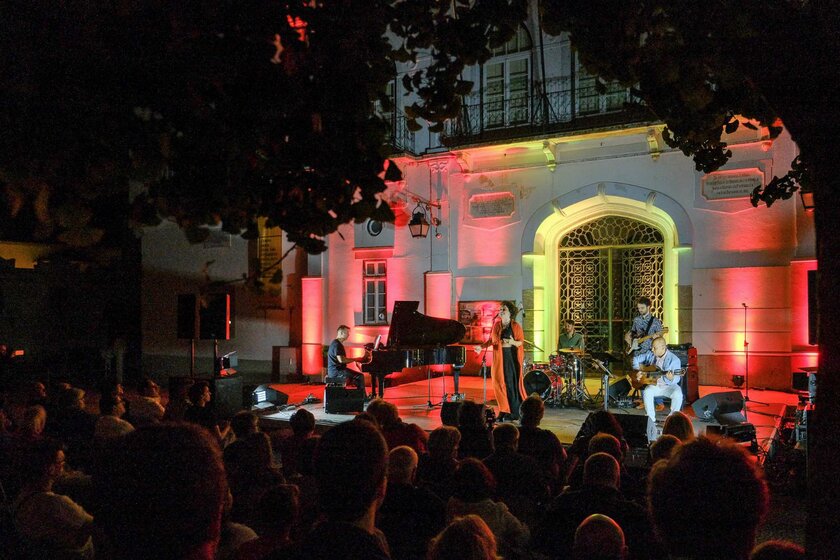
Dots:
{"x": 645, "y": 326}
{"x": 668, "y": 384}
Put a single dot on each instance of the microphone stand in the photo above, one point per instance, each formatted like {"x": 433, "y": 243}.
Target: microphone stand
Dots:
{"x": 747, "y": 363}
{"x": 484, "y": 375}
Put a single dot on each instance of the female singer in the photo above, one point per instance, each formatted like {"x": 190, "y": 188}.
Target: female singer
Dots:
{"x": 507, "y": 337}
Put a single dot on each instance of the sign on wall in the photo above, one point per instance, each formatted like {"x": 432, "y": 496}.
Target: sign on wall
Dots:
{"x": 492, "y": 205}
{"x": 736, "y": 183}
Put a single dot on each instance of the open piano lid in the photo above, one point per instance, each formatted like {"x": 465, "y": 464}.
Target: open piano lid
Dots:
{"x": 411, "y": 328}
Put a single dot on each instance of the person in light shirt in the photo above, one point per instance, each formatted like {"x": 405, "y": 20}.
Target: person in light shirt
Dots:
{"x": 667, "y": 384}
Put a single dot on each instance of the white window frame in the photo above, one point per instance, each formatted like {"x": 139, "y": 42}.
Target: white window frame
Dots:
{"x": 375, "y": 286}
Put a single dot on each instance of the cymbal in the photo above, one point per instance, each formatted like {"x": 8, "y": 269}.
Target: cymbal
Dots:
{"x": 572, "y": 351}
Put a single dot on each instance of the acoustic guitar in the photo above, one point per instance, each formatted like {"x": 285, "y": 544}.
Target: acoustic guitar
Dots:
{"x": 652, "y": 373}
{"x": 637, "y": 342}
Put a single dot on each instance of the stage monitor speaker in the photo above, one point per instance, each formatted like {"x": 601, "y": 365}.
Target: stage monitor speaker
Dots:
{"x": 261, "y": 396}
{"x": 620, "y": 388}
{"x": 340, "y": 400}
{"x": 187, "y": 317}
{"x": 725, "y": 408}
{"x": 449, "y": 412}
{"x": 635, "y": 428}
{"x": 227, "y": 396}
{"x": 215, "y": 317}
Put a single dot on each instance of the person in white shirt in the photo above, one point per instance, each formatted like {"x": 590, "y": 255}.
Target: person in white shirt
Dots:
{"x": 147, "y": 409}
{"x": 111, "y": 424}
{"x": 50, "y": 523}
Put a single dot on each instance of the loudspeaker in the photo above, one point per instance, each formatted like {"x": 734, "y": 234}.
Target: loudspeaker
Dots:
{"x": 227, "y": 396}
{"x": 340, "y": 400}
{"x": 635, "y": 428}
{"x": 813, "y": 309}
{"x": 215, "y": 318}
{"x": 449, "y": 413}
{"x": 253, "y": 394}
{"x": 723, "y": 407}
{"x": 187, "y": 317}
{"x": 620, "y": 388}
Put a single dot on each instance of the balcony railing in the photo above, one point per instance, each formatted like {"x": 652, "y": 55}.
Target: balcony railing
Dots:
{"x": 400, "y": 138}
{"x": 560, "y": 109}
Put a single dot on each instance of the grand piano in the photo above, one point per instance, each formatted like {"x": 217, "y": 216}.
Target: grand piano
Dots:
{"x": 415, "y": 339}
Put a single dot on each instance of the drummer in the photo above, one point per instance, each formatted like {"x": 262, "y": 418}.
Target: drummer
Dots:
{"x": 570, "y": 340}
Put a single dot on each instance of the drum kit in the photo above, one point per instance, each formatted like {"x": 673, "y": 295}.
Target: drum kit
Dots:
{"x": 561, "y": 381}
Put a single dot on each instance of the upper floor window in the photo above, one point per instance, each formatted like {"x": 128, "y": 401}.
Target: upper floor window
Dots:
{"x": 507, "y": 79}
{"x": 375, "y": 296}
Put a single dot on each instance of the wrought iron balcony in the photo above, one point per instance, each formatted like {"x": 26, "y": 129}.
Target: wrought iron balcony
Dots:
{"x": 560, "y": 109}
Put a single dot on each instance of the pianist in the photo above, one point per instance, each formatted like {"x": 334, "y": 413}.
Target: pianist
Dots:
{"x": 337, "y": 360}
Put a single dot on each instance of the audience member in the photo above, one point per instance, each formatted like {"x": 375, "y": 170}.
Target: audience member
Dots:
{"x": 778, "y": 550}
{"x": 409, "y": 516}
{"x": 543, "y": 445}
{"x": 73, "y": 425}
{"x": 232, "y": 535}
{"x": 473, "y": 490}
{"x": 707, "y": 500}
{"x": 599, "y": 494}
{"x": 436, "y": 468}
{"x": 147, "y": 408}
{"x": 249, "y": 463}
{"x": 679, "y": 425}
{"x": 599, "y": 538}
{"x": 161, "y": 490}
{"x": 302, "y": 423}
{"x": 179, "y": 401}
{"x": 466, "y": 538}
{"x": 609, "y": 444}
{"x": 601, "y": 421}
{"x": 520, "y": 482}
{"x": 351, "y": 463}
{"x": 200, "y": 412}
{"x": 475, "y": 434}
{"x": 277, "y": 514}
{"x": 244, "y": 423}
{"x": 394, "y": 430}
{"x": 110, "y": 424}
{"x": 663, "y": 447}
{"x": 52, "y": 525}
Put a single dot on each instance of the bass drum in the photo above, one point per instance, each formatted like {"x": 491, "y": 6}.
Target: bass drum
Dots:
{"x": 537, "y": 381}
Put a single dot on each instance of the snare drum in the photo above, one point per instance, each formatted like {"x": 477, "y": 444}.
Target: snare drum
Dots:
{"x": 557, "y": 362}
{"x": 537, "y": 381}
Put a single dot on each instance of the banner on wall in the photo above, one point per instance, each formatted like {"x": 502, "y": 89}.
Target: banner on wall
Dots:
{"x": 269, "y": 252}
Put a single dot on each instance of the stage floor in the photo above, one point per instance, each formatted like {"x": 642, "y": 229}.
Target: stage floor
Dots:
{"x": 765, "y": 409}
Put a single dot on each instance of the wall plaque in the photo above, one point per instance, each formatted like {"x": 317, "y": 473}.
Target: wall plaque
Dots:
{"x": 492, "y": 205}
{"x": 737, "y": 183}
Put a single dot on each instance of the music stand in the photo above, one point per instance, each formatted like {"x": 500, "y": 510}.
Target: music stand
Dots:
{"x": 602, "y": 361}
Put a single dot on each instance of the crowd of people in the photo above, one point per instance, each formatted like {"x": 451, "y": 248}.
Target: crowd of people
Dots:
{"x": 144, "y": 481}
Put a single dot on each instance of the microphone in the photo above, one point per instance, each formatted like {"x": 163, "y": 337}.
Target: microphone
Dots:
{"x": 744, "y": 305}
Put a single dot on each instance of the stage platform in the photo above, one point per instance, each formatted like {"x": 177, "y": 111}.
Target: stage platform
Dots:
{"x": 765, "y": 409}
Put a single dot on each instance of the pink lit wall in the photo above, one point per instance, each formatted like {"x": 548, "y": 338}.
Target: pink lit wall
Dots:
{"x": 438, "y": 294}
{"x": 313, "y": 325}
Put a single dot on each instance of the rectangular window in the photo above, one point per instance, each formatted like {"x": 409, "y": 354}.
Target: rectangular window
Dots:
{"x": 375, "y": 297}
{"x": 506, "y": 96}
